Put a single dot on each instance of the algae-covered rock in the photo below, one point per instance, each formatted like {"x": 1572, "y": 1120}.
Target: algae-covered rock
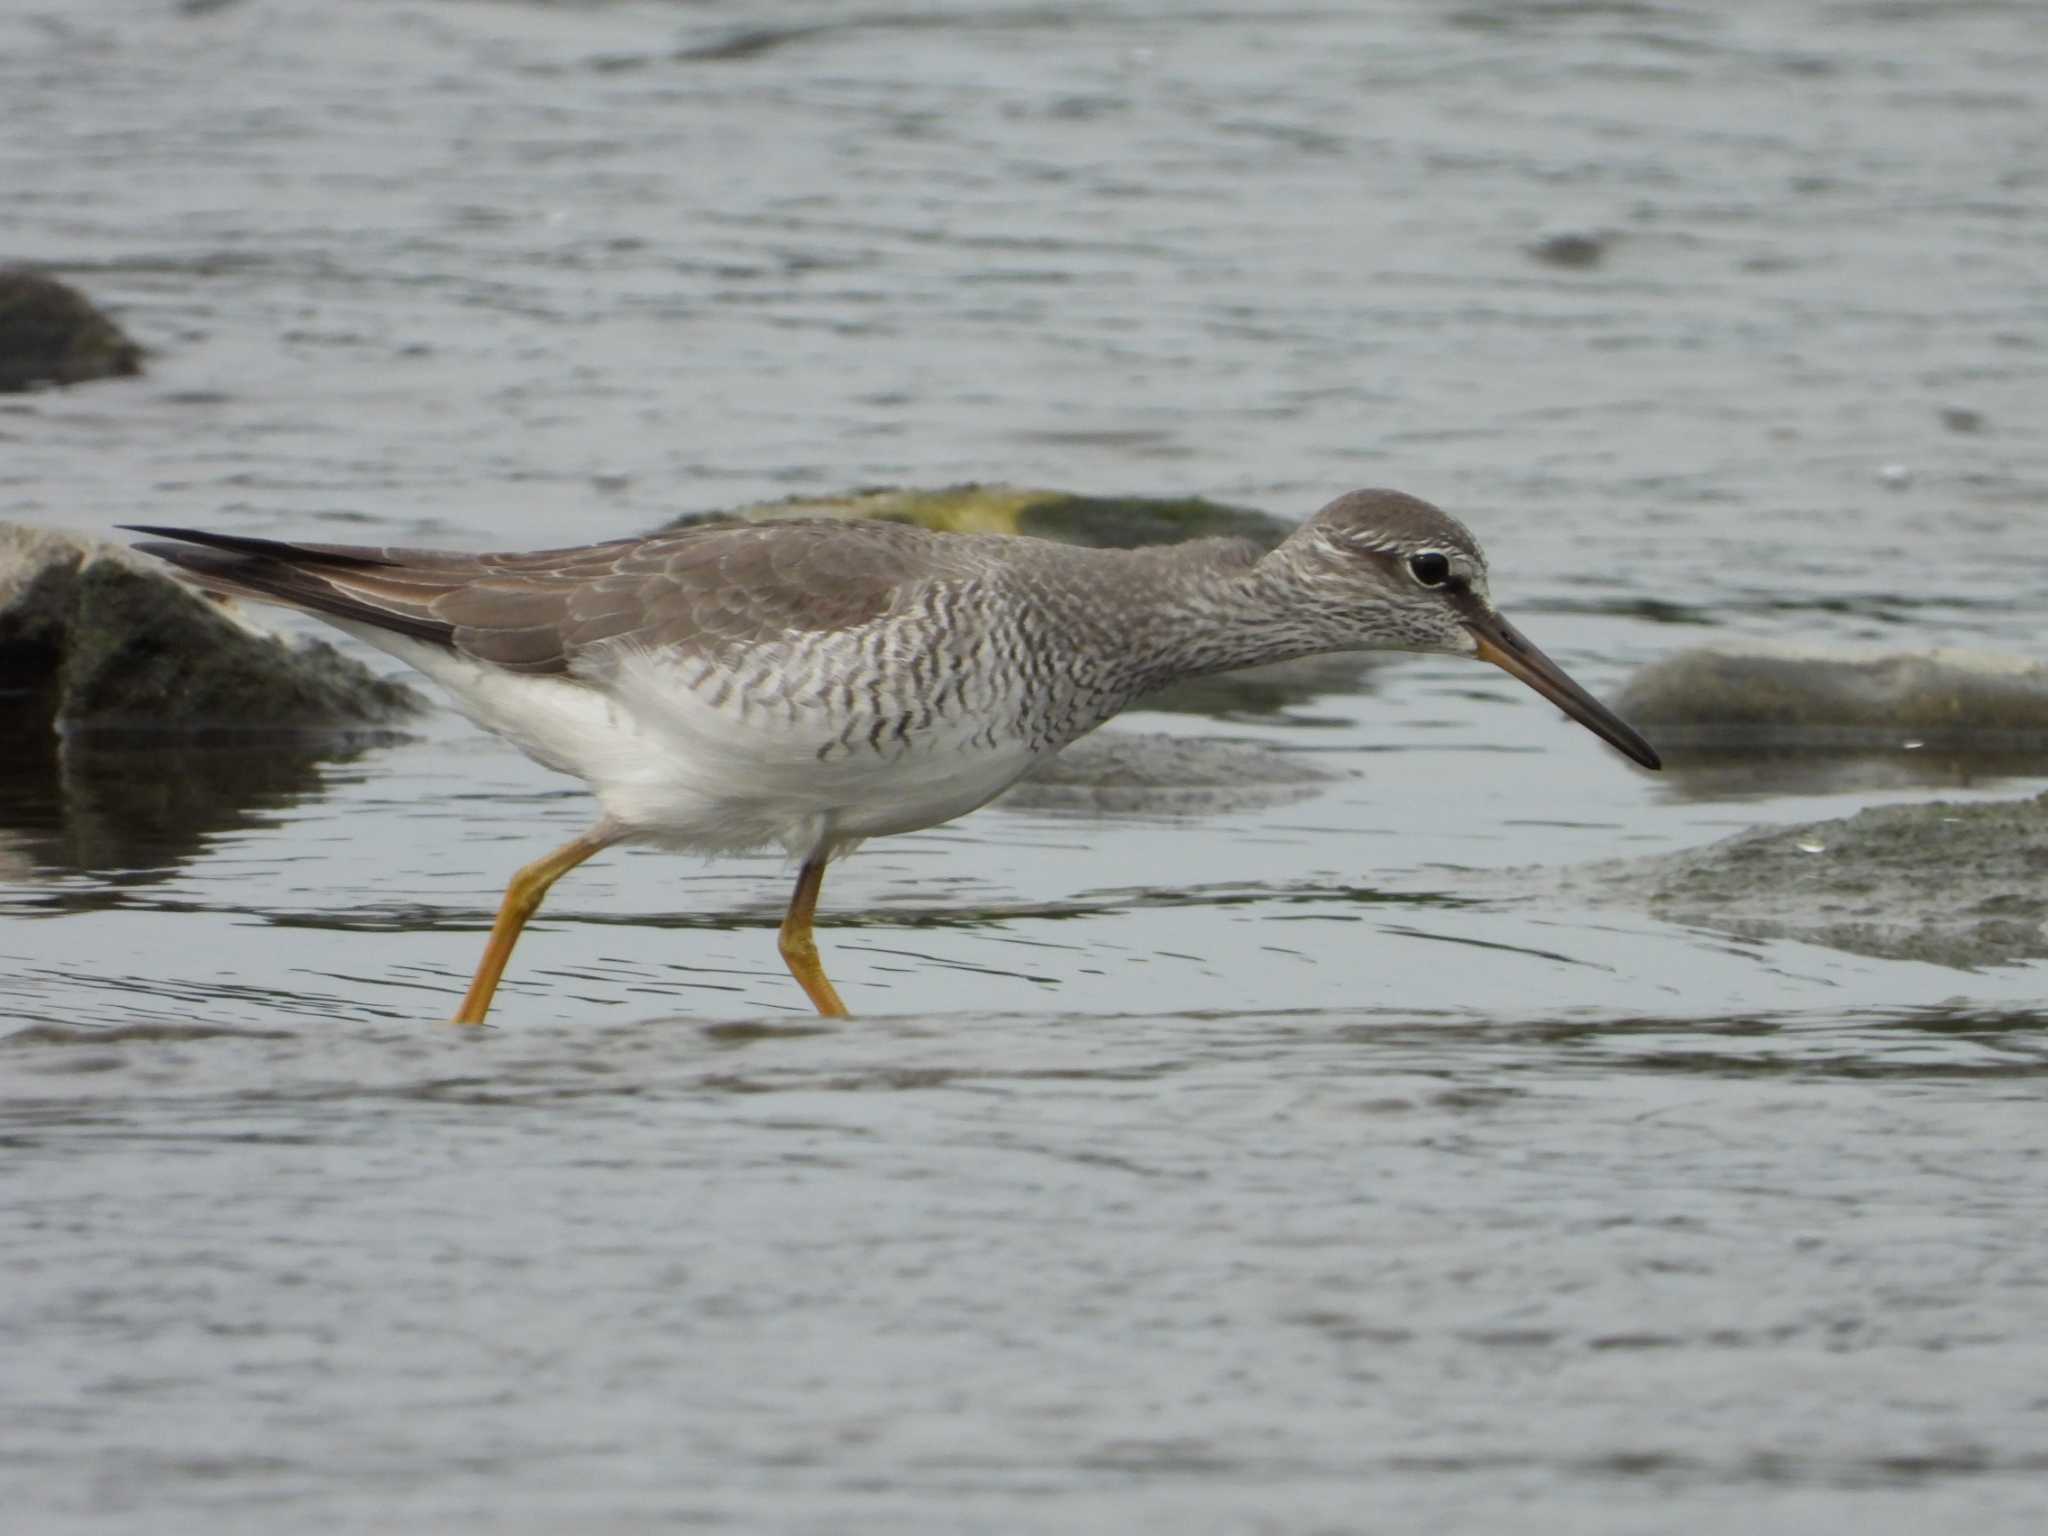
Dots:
{"x": 1098, "y": 522}
{"x": 50, "y": 333}
{"x": 1951, "y": 884}
{"x": 93, "y": 637}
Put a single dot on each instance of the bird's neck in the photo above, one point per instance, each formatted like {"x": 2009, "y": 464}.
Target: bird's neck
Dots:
{"x": 1187, "y": 615}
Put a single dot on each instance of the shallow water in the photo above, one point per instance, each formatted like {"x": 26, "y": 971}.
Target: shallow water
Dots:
{"x": 1264, "y": 1170}
{"x": 1381, "y": 1269}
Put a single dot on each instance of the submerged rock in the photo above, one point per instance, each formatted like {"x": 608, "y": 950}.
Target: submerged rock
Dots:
{"x": 1097, "y": 522}
{"x": 1960, "y": 885}
{"x": 95, "y": 638}
{"x": 1949, "y": 884}
{"x": 1773, "y": 697}
{"x": 50, "y": 333}
{"x": 1576, "y": 249}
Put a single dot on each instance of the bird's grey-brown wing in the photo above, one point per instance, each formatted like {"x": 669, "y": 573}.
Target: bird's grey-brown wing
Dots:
{"x": 715, "y": 589}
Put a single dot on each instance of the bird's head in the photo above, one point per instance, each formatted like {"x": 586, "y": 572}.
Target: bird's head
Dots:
{"x": 1387, "y": 571}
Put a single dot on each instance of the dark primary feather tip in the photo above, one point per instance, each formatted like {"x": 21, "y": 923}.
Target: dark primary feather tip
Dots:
{"x": 243, "y": 544}
{"x": 350, "y": 586}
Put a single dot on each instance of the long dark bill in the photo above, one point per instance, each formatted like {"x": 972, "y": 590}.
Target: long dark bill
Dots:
{"x": 1510, "y": 650}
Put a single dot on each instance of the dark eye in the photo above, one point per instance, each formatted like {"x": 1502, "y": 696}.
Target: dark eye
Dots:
{"x": 1430, "y": 568}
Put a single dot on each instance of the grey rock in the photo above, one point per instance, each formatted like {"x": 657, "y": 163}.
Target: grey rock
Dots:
{"x": 50, "y": 333}
{"x": 1573, "y": 249}
{"x": 1765, "y": 698}
{"x": 96, "y": 638}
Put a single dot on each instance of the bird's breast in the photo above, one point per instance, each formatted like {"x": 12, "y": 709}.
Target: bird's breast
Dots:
{"x": 824, "y": 743}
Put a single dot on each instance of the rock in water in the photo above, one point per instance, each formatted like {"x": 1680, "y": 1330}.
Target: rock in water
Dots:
{"x": 50, "y": 333}
{"x": 1728, "y": 699}
{"x": 93, "y": 637}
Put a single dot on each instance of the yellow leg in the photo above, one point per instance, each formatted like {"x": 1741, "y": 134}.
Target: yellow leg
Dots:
{"x": 800, "y": 951}
{"x": 522, "y": 900}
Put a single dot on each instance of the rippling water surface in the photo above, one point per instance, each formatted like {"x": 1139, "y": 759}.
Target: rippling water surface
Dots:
{"x": 1265, "y": 1170}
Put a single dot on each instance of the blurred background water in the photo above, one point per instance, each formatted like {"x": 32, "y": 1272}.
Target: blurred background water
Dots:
{"x": 1266, "y": 1170}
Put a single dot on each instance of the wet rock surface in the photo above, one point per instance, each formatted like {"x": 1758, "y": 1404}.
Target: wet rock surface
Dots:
{"x": 1753, "y": 696}
{"x": 94, "y": 638}
{"x": 1962, "y": 885}
{"x": 50, "y": 333}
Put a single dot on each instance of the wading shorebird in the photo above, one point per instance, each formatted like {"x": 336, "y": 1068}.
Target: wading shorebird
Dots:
{"x": 816, "y": 683}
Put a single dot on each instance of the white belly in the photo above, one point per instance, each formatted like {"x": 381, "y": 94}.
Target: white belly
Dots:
{"x": 670, "y": 768}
